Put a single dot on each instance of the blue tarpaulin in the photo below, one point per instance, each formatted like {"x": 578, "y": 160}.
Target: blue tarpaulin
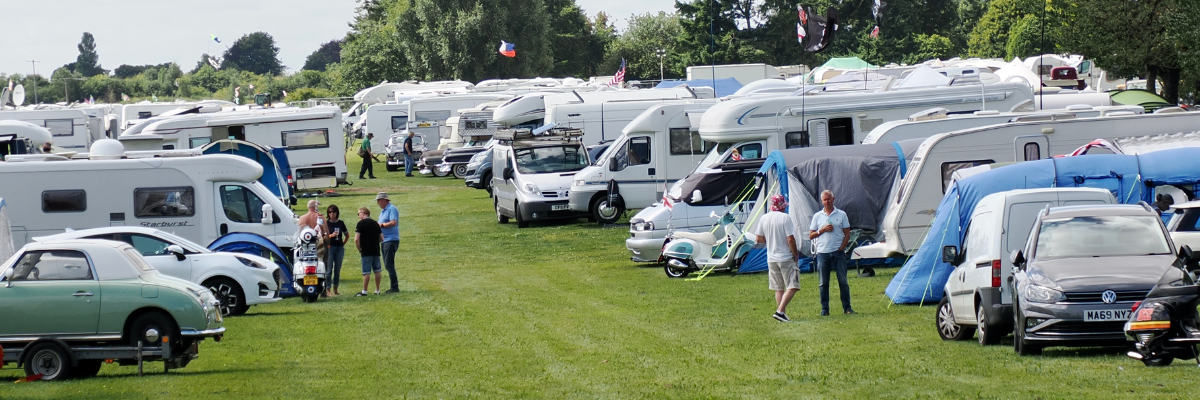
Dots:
{"x": 724, "y": 86}
{"x": 255, "y": 244}
{"x": 1130, "y": 178}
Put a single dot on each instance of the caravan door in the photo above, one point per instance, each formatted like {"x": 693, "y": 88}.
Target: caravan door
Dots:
{"x": 241, "y": 210}
{"x": 1030, "y": 148}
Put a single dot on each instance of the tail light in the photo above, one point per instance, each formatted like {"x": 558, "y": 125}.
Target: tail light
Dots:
{"x": 310, "y": 270}
{"x": 290, "y": 180}
{"x": 996, "y": 273}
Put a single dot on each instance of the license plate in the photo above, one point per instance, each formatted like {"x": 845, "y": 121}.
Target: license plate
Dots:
{"x": 1106, "y": 315}
{"x": 310, "y": 280}
{"x": 558, "y": 207}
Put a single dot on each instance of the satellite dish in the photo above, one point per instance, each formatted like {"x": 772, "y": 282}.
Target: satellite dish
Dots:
{"x": 5, "y": 97}
{"x": 18, "y": 95}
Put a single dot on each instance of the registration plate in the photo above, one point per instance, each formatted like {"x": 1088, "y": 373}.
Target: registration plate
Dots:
{"x": 558, "y": 207}
{"x": 310, "y": 280}
{"x": 1106, "y": 315}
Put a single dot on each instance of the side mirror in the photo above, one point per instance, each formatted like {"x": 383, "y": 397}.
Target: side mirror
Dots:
{"x": 696, "y": 197}
{"x": 177, "y": 251}
{"x": 267, "y": 211}
{"x": 1185, "y": 253}
{"x": 1017, "y": 258}
{"x": 508, "y": 173}
{"x": 949, "y": 254}
{"x": 612, "y": 164}
{"x": 8, "y": 277}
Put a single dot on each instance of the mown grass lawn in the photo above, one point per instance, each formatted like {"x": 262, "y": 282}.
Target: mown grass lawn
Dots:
{"x": 558, "y": 311}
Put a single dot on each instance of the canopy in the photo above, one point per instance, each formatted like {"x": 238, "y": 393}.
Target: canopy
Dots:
{"x": 847, "y": 63}
{"x": 1139, "y": 97}
{"x": 724, "y": 86}
{"x": 1131, "y": 178}
{"x": 255, "y": 244}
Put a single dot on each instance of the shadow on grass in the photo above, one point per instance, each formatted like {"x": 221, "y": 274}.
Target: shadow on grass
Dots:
{"x": 155, "y": 368}
{"x": 271, "y": 314}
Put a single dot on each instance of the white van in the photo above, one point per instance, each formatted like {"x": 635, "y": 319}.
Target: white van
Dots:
{"x": 535, "y": 171}
{"x": 198, "y": 197}
{"x": 976, "y": 293}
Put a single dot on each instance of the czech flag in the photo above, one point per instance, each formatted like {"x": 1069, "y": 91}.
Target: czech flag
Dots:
{"x": 506, "y": 49}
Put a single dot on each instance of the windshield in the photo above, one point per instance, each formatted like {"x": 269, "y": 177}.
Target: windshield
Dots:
{"x": 540, "y": 160}
{"x": 716, "y": 156}
{"x": 1102, "y": 236}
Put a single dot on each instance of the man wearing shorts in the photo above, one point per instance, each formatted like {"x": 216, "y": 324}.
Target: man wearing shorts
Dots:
{"x": 775, "y": 230}
{"x": 367, "y": 237}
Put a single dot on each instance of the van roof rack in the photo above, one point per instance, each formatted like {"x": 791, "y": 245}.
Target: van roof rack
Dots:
{"x": 552, "y": 134}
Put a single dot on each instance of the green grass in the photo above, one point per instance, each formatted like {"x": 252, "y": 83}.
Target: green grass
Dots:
{"x": 558, "y": 311}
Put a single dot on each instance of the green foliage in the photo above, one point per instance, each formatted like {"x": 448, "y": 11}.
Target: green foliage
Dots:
{"x": 309, "y": 93}
{"x": 458, "y": 39}
{"x": 639, "y": 44}
{"x": 1025, "y": 38}
{"x": 577, "y": 44}
{"x": 128, "y": 71}
{"x": 991, "y": 36}
{"x": 371, "y": 51}
{"x": 255, "y": 52}
{"x": 328, "y": 53}
{"x": 88, "y": 62}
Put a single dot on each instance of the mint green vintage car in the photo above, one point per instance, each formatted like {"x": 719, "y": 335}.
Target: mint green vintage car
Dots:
{"x": 66, "y": 306}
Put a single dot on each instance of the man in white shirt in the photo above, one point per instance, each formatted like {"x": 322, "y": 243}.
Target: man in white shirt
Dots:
{"x": 775, "y": 230}
{"x": 830, "y": 233}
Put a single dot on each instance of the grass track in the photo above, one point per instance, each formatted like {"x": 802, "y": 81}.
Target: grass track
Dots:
{"x": 558, "y": 311}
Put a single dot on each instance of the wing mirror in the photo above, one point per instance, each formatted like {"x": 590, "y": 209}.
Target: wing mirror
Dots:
{"x": 177, "y": 251}
{"x": 1186, "y": 253}
{"x": 1017, "y": 258}
{"x": 8, "y": 277}
{"x": 267, "y": 211}
{"x": 696, "y": 197}
{"x": 508, "y": 173}
{"x": 612, "y": 164}
{"x": 950, "y": 254}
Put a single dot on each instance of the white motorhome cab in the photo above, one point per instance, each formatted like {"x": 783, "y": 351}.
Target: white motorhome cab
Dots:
{"x": 535, "y": 171}
{"x": 1001, "y": 222}
{"x": 532, "y": 107}
{"x": 68, "y": 127}
{"x": 938, "y": 120}
{"x": 1032, "y": 138}
{"x": 196, "y": 197}
{"x": 656, "y": 149}
{"x": 312, "y": 137}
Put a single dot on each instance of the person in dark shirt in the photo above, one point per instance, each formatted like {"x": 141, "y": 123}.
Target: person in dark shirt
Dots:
{"x": 408, "y": 154}
{"x": 336, "y": 250}
{"x": 367, "y": 236}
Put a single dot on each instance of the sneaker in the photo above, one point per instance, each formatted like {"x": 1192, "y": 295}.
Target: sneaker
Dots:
{"x": 376, "y": 292}
{"x": 362, "y": 177}
{"x": 781, "y": 317}
{"x": 824, "y": 313}
{"x": 393, "y": 290}
{"x": 850, "y": 312}
{"x": 361, "y": 294}
{"x": 409, "y": 175}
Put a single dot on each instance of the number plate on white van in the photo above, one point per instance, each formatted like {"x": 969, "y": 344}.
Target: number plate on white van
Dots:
{"x": 558, "y": 207}
{"x": 1106, "y": 315}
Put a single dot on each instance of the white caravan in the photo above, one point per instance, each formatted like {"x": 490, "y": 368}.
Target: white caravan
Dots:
{"x": 940, "y": 156}
{"x": 427, "y": 115}
{"x": 131, "y": 114}
{"x": 938, "y": 120}
{"x": 196, "y": 197}
{"x": 531, "y": 108}
{"x": 385, "y": 92}
{"x": 656, "y": 149}
{"x": 535, "y": 173}
{"x": 743, "y": 73}
{"x": 312, "y": 137}
{"x": 383, "y": 120}
{"x": 69, "y": 128}
{"x": 604, "y": 122}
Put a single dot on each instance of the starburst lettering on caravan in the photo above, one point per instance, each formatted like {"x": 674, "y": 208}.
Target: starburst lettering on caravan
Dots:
{"x": 166, "y": 224}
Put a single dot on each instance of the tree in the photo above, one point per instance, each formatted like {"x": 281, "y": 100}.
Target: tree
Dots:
{"x": 255, "y": 52}
{"x": 458, "y": 39}
{"x": 88, "y": 62}
{"x": 126, "y": 71}
{"x": 371, "y": 51}
{"x": 577, "y": 46}
{"x": 639, "y": 44}
{"x": 991, "y": 36}
{"x": 328, "y": 53}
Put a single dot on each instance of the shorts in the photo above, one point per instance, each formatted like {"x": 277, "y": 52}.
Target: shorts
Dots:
{"x": 371, "y": 264}
{"x": 783, "y": 275}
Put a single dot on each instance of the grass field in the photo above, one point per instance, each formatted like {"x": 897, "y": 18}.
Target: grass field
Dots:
{"x": 558, "y": 311}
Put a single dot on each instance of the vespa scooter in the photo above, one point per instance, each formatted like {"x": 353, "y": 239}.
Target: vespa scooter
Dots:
{"x": 308, "y": 270}
{"x": 687, "y": 252}
{"x": 1165, "y": 325}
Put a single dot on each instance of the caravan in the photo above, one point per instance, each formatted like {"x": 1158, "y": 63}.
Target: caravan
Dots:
{"x": 603, "y": 122}
{"x": 68, "y": 127}
{"x": 532, "y": 108}
{"x": 19, "y": 137}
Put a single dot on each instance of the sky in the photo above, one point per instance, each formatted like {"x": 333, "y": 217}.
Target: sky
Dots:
{"x": 138, "y": 32}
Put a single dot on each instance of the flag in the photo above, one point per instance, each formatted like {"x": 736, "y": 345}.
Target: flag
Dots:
{"x": 215, "y": 38}
{"x": 877, "y": 12}
{"x": 667, "y": 202}
{"x": 507, "y": 49}
{"x": 819, "y": 30}
{"x": 284, "y": 93}
{"x": 875, "y": 32}
{"x": 619, "y": 77}
{"x": 251, "y": 86}
{"x": 29, "y": 378}
{"x": 124, "y": 97}
{"x": 213, "y": 62}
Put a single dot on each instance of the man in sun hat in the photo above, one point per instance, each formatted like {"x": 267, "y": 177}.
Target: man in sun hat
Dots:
{"x": 775, "y": 230}
{"x": 830, "y": 233}
{"x": 389, "y": 222}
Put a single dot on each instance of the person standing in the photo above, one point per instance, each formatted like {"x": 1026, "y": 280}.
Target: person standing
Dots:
{"x": 408, "y": 154}
{"x": 775, "y": 230}
{"x": 830, "y": 233}
{"x": 366, "y": 238}
{"x": 389, "y": 222}
{"x": 336, "y": 251}
{"x": 364, "y": 151}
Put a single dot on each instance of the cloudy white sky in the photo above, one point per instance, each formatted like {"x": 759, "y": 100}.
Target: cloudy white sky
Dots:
{"x": 139, "y": 32}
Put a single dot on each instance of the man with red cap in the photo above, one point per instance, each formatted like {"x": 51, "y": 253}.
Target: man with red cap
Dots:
{"x": 775, "y": 230}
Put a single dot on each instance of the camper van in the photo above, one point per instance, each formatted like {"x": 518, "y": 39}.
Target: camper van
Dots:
{"x": 532, "y": 108}
{"x": 940, "y": 156}
{"x": 535, "y": 167}
{"x": 68, "y": 127}
{"x": 656, "y": 149}
{"x": 19, "y": 137}
{"x": 198, "y": 197}
{"x": 312, "y": 137}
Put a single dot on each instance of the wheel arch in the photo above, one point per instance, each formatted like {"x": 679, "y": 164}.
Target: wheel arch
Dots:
{"x": 127, "y": 327}
{"x": 25, "y": 354}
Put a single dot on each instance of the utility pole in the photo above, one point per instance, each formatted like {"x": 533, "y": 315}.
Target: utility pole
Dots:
{"x": 661, "y": 53}
{"x": 35, "y": 94}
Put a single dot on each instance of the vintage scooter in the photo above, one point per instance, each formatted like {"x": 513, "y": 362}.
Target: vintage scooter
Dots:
{"x": 1166, "y": 325}
{"x": 308, "y": 271}
{"x": 687, "y": 252}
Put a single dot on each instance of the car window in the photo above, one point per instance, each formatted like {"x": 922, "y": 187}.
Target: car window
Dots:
{"x": 147, "y": 245}
{"x": 1099, "y": 236}
{"x": 1021, "y": 217}
{"x": 52, "y": 265}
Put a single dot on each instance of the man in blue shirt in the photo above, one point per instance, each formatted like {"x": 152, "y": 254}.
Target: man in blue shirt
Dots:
{"x": 389, "y": 222}
{"x": 830, "y": 233}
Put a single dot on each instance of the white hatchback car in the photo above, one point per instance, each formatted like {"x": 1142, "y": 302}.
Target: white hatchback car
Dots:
{"x": 237, "y": 280}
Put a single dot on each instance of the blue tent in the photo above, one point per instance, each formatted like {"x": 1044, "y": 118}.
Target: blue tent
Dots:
{"x": 1130, "y": 178}
{"x": 276, "y": 170}
{"x": 724, "y": 86}
{"x": 255, "y": 244}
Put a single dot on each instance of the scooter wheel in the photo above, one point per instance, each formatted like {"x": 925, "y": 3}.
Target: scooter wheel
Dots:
{"x": 673, "y": 272}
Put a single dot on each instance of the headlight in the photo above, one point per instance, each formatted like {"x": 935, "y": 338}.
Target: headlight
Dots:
{"x": 577, "y": 182}
{"x": 641, "y": 226}
{"x": 247, "y": 262}
{"x": 532, "y": 188}
{"x": 1040, "y": 294}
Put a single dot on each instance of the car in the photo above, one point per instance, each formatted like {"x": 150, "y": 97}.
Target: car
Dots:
{"x": 479, "y": 170}
{"x": 237, "y": 280}
{"x": 1184, "y": 224}
{"x": 58, "y": 296}
{"x": 1081, "y": 272}
{"x": 395, "y": 150}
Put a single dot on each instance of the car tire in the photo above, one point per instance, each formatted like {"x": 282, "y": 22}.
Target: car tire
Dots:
{"x": 230, "y": 294}
{"x": 486, "y": 180}
{"x": 500, "y": 217}
{"x": 87, "y": 368}
{"x": 460, "y": 171}
{"x": 161, "y": 324}
{"x": 605, "y": 213}
{"x": 1162, "y": 361}
{"x": 1019, "y": 345}
{"x": 390, "y": 167}
{"x": 985, "y": 332}
{"x": 521, "y": 222}
{"x": 674, "y": 273}
{"x": 438, "y": 172}
{"x": 50, "y": 360}
{"x": 944, "y": 322}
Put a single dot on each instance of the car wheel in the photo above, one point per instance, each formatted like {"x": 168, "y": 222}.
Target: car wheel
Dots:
{"x": 438, "y": 172}
{"x": 87, "y": 368}
{"x": 500, "y": 218}
{"x": 984, "y": 331}
{"x": 49, "y": 360}
{"x": 486, "y": 179}
{"x": 1161, "y": 361}
{"x": 390, "y": 167}
{"x": 605, "y": 212}
{"x": 521, "y": 222}
{"x": 150, "y": 328}
{"x": 1019, "y": 345}
{"x": 674, "y": 272}
{"x": 946, "y": 327}
{"x": 460, "y": 171}
{"x": 230, "y": 294}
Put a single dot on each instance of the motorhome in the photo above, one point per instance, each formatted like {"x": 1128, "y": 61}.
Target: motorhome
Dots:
{"x": 386, "y": 92}
{"x": 940, "y": 156}
{"x": 529, "y": 85}
{"x": 743, "y": 73}
{"x": 603, "y": 122}
{"x": 427, "y": 115}
{"x": 68, "y": 127}
{"x": 383, "y": 120}
{"x": 312, "y": 137}
{"x": 20, "y": 137}
{"x": 938, "y": 120}
{"x": 656, "y": 149}
{"x": 474, "y": 128}
{"x": 531, "y": 108}
{"x": 535, "y": 167}
{"x": 198, "y": 197}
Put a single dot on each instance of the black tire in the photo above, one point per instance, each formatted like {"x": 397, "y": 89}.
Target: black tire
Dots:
{"x": 605, "y": 213}
{"x": 521, "y": 222}
{"x": 486, "y": 181}
{"x": 738, "y": 266}
{"x": 1161, "y": 361}
{"x": 460, "y": 171}
{"x": 390, "y": 167}
{"x": 985, "y": 332}
{"x": 87, "y": 368}
{"x": 230, "y": 294}
{"x": 50, "y": 360}
{"x": 500, "y": 217}
{"x": 1019, "y": 345}
{"x": 944, "y": 322}
{"x": 161, "y": 324}
{"x": 438, "y": 172}
{"x": 674, "y": 273}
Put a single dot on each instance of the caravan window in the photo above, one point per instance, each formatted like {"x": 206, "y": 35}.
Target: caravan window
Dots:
{"x": 52, "y": 265}
{"x": 64, "y": 201}
{"x": 948, "y": 169}
{"x": 198, "y": 142}
{"x": 241, "y": 205}
{"x": 164, "y": 202}
{"x": 306, "y": 139}
{"x": 399, "y": 122}
{"x": 1033, "y": 151}
{"x": 475, "y": 124}
{"x": 841, "y": 131}
{"x": 796, "y": 139}
{"x": 685, "y": 141}
{"x": 60, "y": 127}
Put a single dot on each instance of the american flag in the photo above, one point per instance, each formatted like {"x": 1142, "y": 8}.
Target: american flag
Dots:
{"x": 619, "y": 78}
